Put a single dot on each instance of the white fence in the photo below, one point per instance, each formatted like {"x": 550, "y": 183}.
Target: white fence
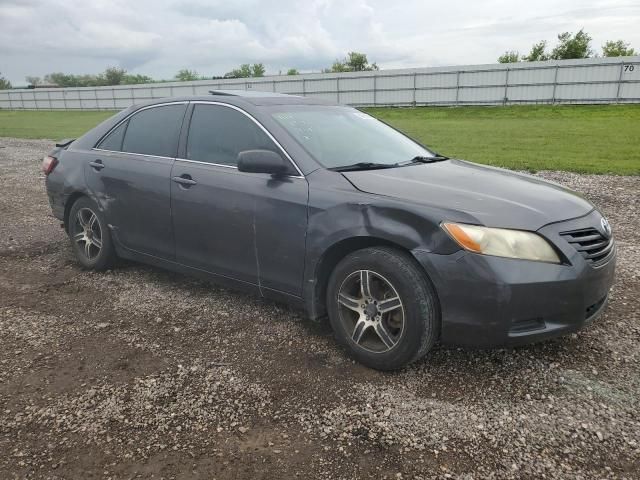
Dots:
{"x": 594, "y": 80}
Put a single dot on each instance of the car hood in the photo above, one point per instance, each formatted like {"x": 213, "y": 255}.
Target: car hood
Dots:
{"x": 494, "y": 196}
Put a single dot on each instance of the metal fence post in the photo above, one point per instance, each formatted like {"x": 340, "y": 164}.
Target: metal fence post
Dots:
{"x": 304, "y": 87}
{"x": 338, "y": 89}
{"x": 619, "y": 82}
{"x": 506, "y": 87}
{"x": 415, "y": 74}
{"x": 375, "y": 89}
{"x": 457, "y": 87}
{"x": 555, "y": 84}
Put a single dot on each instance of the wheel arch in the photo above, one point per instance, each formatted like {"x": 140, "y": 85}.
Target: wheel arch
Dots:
{"x": 73, "y": 198}
{"x": 316, "y": 306}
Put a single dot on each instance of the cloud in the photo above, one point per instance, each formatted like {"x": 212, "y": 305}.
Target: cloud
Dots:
{"x": 158, "y": 38}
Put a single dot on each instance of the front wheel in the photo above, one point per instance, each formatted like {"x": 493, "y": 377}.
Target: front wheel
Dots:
{"x": 382, "y": 308}
{"x": 89, "y": 234}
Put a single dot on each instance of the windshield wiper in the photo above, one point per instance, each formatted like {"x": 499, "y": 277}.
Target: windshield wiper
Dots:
{"x": 374, "y": 166}
{"x": 423, "y": 159}
{"x": 363, "y": 166}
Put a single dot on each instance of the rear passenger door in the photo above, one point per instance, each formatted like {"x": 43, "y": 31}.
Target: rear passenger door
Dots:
{"x": 246, "y": 226}
{"x": 129, "y": 175}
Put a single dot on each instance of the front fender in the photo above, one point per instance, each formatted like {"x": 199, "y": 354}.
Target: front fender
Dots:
{"x": 341, "y": 213}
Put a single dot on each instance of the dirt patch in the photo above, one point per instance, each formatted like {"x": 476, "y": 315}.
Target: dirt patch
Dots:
{"x": 137, "y": 372}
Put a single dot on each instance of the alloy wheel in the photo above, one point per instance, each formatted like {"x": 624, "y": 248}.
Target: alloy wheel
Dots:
{"x": 87, "y": 233}
{"x": 371, "y": 311}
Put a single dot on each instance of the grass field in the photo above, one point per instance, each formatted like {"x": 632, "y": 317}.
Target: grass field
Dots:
{"x": 48, "y": 124}
{"x": 593, "y": 139}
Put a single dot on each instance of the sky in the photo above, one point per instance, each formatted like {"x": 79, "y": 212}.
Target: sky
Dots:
{"x": 160, "y": 37}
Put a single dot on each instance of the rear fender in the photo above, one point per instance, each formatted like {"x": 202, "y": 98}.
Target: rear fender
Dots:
{"x": 67, "y": 182}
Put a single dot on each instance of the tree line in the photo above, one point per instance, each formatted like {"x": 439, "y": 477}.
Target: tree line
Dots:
{"x": 570, "y": 45}
{"x": 4, "y": 83}
{"x": 353, "y": 62}
{"x": 111, "y": 76}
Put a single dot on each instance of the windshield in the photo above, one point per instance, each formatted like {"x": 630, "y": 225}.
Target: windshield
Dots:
{"x": 341, "y": 136}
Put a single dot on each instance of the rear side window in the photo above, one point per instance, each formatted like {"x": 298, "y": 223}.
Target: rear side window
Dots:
{"x": 155, "y": 131}
{"x": 113, "y": 141}
{"x": 217, "y": 134}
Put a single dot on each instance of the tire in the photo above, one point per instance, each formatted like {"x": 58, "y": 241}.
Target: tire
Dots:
{"x": 91, "y": 243}
{"x": 404, "y": 321}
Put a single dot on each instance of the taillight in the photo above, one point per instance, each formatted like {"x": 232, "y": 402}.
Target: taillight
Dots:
{"x": 48, "y": 164}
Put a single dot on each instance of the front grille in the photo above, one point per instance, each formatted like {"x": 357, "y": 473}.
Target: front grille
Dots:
{"x": 592, "y": 245}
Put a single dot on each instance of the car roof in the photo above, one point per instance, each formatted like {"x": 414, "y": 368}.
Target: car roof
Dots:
{"x": 251, "y": 97}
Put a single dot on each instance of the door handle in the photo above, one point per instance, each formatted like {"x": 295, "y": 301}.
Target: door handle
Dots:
{"x": 184, "y": 180}
{"x": 97, "y": 165}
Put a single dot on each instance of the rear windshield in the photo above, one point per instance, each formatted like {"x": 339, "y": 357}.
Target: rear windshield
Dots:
{"x": 338, "y": 136}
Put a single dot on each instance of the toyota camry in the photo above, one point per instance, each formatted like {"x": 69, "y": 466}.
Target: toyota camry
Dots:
{"x": 322, "y": 206}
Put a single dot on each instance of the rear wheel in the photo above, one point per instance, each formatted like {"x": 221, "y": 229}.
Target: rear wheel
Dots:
{"x": 90, "y": 237}
{"x": 382, "y": 308}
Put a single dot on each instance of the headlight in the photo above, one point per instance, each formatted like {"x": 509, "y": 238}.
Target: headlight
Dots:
{"x": 502, "y": 242}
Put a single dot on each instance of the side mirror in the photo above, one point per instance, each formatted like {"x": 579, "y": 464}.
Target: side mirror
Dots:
{"x": 262, "y": 161}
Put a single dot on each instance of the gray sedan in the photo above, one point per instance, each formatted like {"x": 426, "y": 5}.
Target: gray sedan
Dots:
{"x": 324, "y": 207}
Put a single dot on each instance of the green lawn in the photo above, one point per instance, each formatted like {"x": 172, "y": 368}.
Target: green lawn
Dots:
{"x": 595, "y": 139}
{"x": 48, "y": 124}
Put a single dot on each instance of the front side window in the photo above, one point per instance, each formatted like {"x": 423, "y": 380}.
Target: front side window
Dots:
{"x": 338, "y": 136}
{"x": 155, "y": 131}
{"x": 217, "y": 134}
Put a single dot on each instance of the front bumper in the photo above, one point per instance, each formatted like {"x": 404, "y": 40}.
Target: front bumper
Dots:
{"x": 492, "y": 301}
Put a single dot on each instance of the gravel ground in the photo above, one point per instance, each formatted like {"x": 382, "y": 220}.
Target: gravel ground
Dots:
{"x": 140, "y": 373}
